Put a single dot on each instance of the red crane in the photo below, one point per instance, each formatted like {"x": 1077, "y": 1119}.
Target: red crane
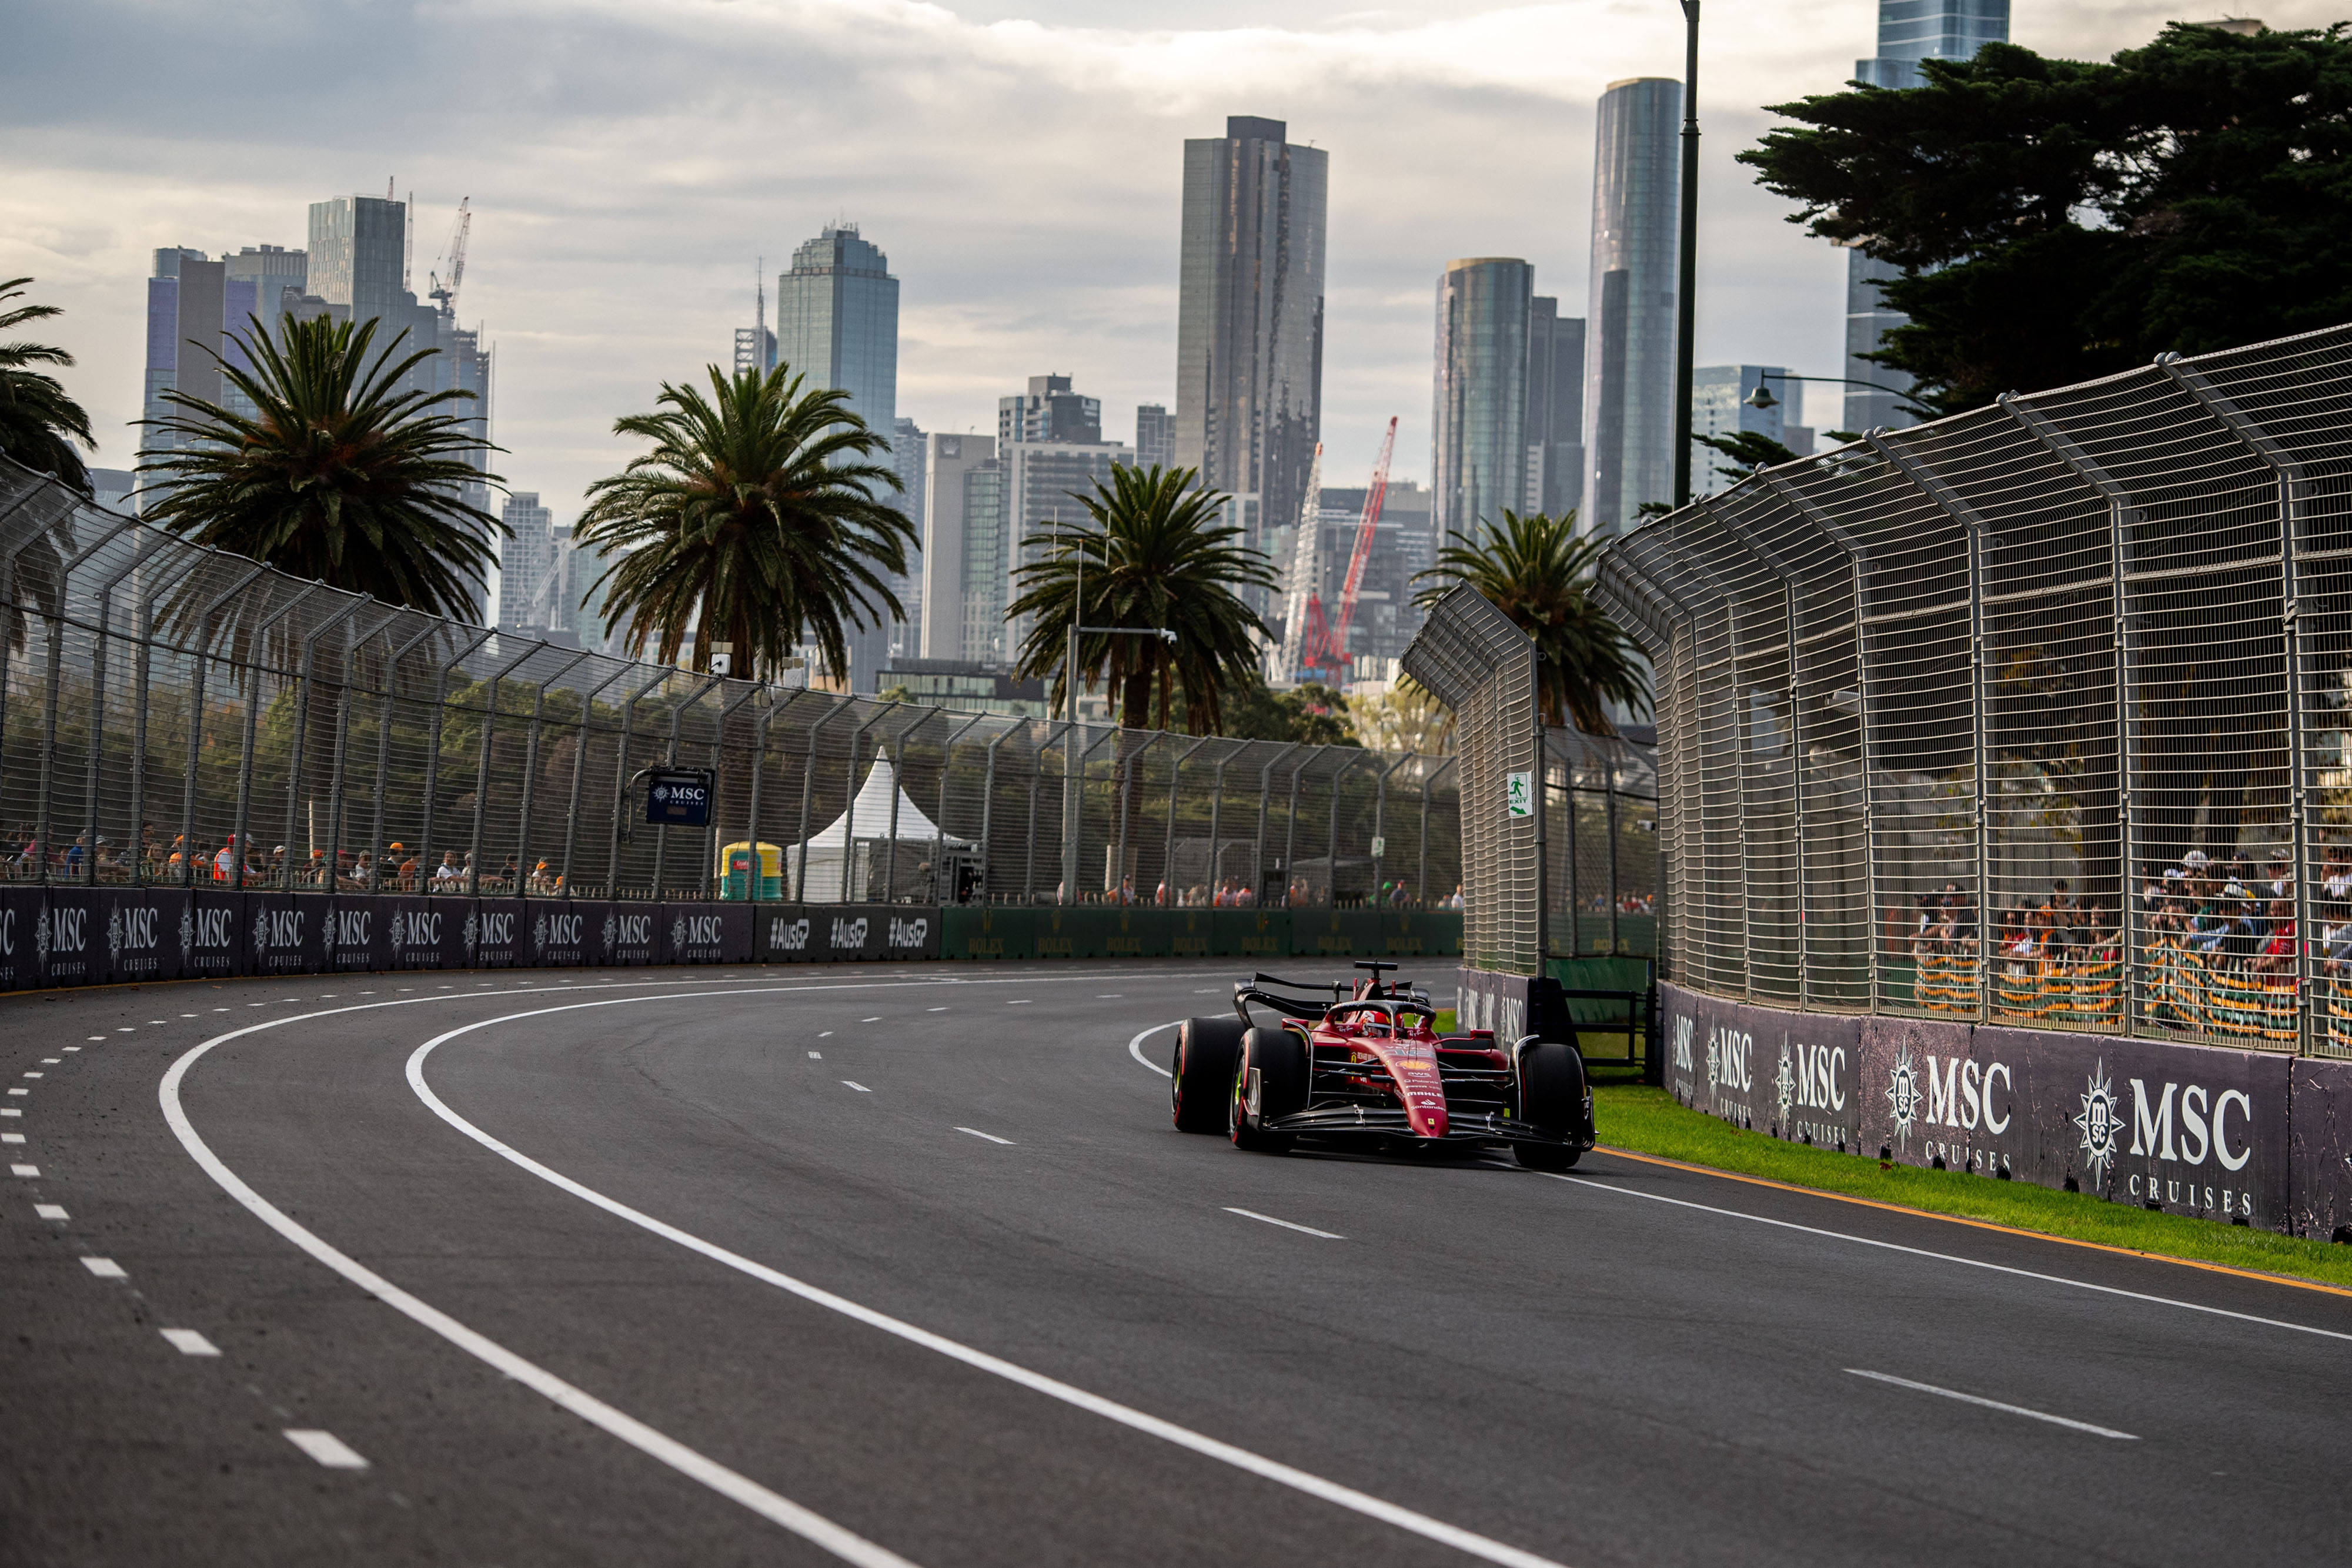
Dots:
{"x": 1327, "y": 641}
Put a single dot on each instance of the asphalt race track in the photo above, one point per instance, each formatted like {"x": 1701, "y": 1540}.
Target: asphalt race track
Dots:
{"x": 883, "y": 1265}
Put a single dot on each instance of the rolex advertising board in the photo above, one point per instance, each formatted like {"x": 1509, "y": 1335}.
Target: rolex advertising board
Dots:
{"x": 143, "y": 934}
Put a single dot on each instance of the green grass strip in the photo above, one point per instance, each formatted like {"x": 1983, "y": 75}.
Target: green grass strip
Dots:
{"x": 1648, "y": 1120}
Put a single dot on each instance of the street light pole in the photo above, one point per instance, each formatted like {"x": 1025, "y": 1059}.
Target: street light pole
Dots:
{"x": 1686, "y": 287}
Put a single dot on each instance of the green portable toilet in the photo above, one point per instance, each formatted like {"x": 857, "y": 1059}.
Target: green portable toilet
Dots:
{"x": 736, "y": 883}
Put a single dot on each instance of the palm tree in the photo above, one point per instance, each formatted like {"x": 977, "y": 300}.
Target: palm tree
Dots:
{"x": 754, "y": 520}
{"x": 39, "y": 423}
{"x": 1536, "y": 571}
{"x": 338, "y": 474}
{"x": 1157, "y": 557}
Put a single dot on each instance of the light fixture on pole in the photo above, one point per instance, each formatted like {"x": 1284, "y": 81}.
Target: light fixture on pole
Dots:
{"x": 1762, "y": 396}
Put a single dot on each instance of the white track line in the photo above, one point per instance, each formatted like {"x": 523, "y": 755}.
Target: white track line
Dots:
{"x": 1135, "y": 1048}
{"x": 810, "y": 1527}
{"x": 1286, "y": 1225}
{"x": 991, "y": 1137}
{"x": 859, "y": 1087}
{"x": 326, "y": 1448}
{"x": 105, "y": 1267}
{"x": 188, "y": 1341}
{"x": 1954, "y": 1258}
{"x": 1467, "y": 1542}
{"x": 1992, "y": 1404}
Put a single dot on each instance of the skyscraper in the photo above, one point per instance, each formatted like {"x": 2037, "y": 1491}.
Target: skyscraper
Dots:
{"x": 1909, "y": 31}
{"x": 197, "y": 308}
{"x": 539, "y": 588}
{"x": 965, "y": 566}
{"x": 837, "y": 324}
{"x": 908, "y": 457}
{"x": 755, "y": 346}
{"x": 1555, "y": 408}
{"x": 1155, "y": 435}
{"x": 1249, "y": 318}
{"x": 1478, "y": 425}
{"x": 1629, "y": 372}
{"x": 1042, "y": 481}
{"x": 1048, "y": 410}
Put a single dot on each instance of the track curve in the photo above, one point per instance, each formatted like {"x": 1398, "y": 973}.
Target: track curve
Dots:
{"x": 905, "y": 1265}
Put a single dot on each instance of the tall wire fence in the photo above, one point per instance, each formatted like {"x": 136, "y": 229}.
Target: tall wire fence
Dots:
{"x": 2035, "y": 715}
{"x": 181, "y": 717}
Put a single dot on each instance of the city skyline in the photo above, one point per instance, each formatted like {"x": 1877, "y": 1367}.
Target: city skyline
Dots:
{"x": 616, "y": 225}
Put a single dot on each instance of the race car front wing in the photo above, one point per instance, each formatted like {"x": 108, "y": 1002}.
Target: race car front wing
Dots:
{"x": 1484, "y": 1127}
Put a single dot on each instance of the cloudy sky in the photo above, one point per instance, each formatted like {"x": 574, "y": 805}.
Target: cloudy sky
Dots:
{"x": 1020, "y": 162}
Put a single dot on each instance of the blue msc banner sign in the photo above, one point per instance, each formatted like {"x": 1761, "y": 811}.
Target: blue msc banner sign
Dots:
{"x": 678, "y": 798}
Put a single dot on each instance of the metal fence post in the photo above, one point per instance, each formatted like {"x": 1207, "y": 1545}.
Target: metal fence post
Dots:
{"x": 57, "y": 675}
{"x": 343, "y": 744}
{"x": 1216, "y": 809}
{"x": 97, "y": 652}
{"x": 8, "y": 592}
{"x": 196, "y": 723}
{"x": 482, "y": 767}
{"x": 432, "y": 752}
{"x": 1948, "y": 502}
{"x": 1857, "y": 563}
{"x": 384, "y": 748}
{"x": 988, "y": 814}
{"x": 522, "y": 889}
{"x": 620, "y": 782}
{"x": 1331, "y": 900}
{"x": 940, "y": 823}
{"x": 1036, "y": 777}
{"x": 768, "y": 711}
{"x": 677, "y": 726}
{"x": 897, "y": 789}
{"x": 1167, "y": 855}
{"x": 712, "y": 870}
{"x": 240, "y": 835}
{"x": 849, "y": 815}
{"x": 2293, "y": 491}
{"x": 140, "y": 679}
{"x": 579, "y": 775}
{"x": 1548, "y": 751}
{"x": 1126, "y": 801}
{"x": 1265, "y": 793}
{"x": 1739, "y": 760}
{"x": 1609, "y": 824}
{"x": 1380, "y": 822}
{"x": 808, "y": 790}
{"x": 302, "y": 687}
{"x": 2120, "y": 519}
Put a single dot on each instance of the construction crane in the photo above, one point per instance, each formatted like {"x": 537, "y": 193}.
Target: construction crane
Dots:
{"x": 1326, "y": 642}
{"x": 446, "y": 293}
{"x": 1300, "y": 589}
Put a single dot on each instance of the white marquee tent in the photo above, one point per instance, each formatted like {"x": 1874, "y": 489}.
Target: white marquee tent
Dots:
{"x": 861, "y": 838}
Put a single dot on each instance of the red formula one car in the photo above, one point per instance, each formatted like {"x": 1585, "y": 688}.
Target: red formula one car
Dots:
{"x": 1370, "y": 1068}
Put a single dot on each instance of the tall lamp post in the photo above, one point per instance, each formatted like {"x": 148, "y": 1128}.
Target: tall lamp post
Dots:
{"x": 1686, "y": 284}
{"x": 1762, "y": 396}
{"x": 1070, "y": 780}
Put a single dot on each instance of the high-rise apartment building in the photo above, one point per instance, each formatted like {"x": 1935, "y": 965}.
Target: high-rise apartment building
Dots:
{"x": 1478, "y": 423}
{"x": 1909, "y": 31}
{"x": 1555, "y": 408}
{"x": 1155, "y": 435}
{"x": 1629, "y": 372}
{"x": 1720, "y": 406}
{"x": 837, "y": 324}
{"x": 1042, "y": 481}
{"x": 1249, "y": 318}
{"x": 966, "y": 564}
{"x": 197, "y": 308}
{"x": 1048, "y": 410}
{"x": 539, "y": 574}
{"x": 909, "y": 458}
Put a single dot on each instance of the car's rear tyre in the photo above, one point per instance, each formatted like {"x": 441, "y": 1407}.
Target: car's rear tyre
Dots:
{"x": 1270, "y": 1084}
{"x": 1552, "y": 1097}
{"x": 1202, "y": 1073}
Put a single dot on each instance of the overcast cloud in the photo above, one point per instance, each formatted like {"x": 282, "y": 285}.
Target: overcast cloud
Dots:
{"x": 1019, "y": 162}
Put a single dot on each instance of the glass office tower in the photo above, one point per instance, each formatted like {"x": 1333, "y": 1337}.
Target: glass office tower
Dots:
{"x": 1629, "y": 374}
{"x": 1909, "y": 31}
{"x": 1249, "y": 318}
{"x": 837, "y": 324}
{"x": 1478, "y": 425}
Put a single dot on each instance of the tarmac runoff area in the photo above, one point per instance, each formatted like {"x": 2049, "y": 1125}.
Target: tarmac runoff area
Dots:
{"x": 887, "y": 1266}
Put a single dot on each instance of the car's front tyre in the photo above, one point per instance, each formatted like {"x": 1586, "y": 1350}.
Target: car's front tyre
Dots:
{"x": 1552, "y": 1098}
{"x": 1270, "y": 1084}
{"x": 1203, "y": 1072}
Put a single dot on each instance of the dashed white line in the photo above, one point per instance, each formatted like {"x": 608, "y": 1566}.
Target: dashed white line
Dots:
{"x": 1018, "y": 1002}
{"x": 326, "y": 1448}
{"x": 105, "y": 1267}
{"x": 1993, "y": 1404}
{"x": 935, "y": 1010}
{"x": 126, "y": 1028}
{"x": 1111, "y": 997}
{"x": 859, "y": 1087}
{"x": 188, "y": 1341}
{"x": 1286, "y": 1225}
{"x": 10, "y": 1137}
{"x": 20, "y": 1092}
{"x": 191, "y": 1015}
{"x": 50, "y": 1211}
{"x": 159, "y": 1020}
{"x": 36, "y": 1075}
{"x": 52, "y": 1060}
{"x": 23, "y": 1170}
{"x": 779, "y": 1510}
{"x": 824, "y": 1034}
{"x": 875, "y": 1019}
{"x": 99, "y": 1038}
{"x": 816, "y": 1056}
{"x": 70, "y": 1049}
{"x": 991, "y": 1137}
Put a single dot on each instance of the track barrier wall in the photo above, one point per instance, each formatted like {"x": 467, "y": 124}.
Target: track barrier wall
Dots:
{"x": 2248, "y": 1136}
{"x": 56, "y": 937}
